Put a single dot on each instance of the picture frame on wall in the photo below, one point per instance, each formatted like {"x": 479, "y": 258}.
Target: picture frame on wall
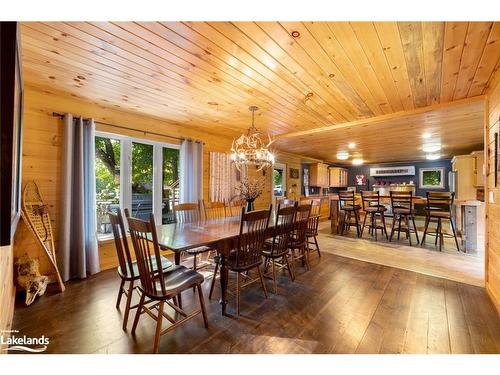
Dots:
{"x": 294, "y": 173}
{"x": 431, "y": 178}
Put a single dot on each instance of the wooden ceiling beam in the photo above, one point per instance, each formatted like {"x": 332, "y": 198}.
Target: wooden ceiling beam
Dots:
{"x": 383, "y": 118}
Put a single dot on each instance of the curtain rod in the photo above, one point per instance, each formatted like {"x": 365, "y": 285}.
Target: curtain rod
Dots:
{"x": 61, "y": 116}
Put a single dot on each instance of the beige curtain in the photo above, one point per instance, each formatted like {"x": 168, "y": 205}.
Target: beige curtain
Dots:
{"x": 223, "y": 177}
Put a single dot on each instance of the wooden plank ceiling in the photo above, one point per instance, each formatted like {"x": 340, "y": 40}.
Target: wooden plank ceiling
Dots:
{"x": 301, "y": 75}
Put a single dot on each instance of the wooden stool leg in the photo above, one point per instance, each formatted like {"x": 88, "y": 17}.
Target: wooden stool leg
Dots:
{"x": 415, "y": 228}
{"x": 437, "y": 232}
{"x": 408, "y": 228}
{"x": 427, "y": 219}
{"x": 356, "y": 218}
{"x": 383, "y": 223}
{"x": 399, "y": 227}
{"x": 285, "y": 258}
{"x": 454, "y": 234}
{"x": 392, "y": 226}
{"x": 375, "y": 225}
{"x": 275, "y": 286}
{"x": 364, "y": 224}
{"x": 237, "y": 293}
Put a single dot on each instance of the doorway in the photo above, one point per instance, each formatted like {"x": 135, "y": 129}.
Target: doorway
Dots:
{"x": 279, "y": 180}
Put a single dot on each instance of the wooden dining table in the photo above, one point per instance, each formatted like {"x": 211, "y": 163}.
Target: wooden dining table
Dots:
{"x": 219, "y": 234}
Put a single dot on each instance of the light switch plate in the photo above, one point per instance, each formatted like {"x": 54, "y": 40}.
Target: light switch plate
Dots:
{"x": 492, "y": 197}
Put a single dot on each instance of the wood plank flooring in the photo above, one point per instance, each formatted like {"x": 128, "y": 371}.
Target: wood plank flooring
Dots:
{"x": 340, "y": 306}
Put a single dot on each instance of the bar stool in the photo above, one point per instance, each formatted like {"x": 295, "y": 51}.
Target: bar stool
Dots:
{"x": 350, "y": 210}
{"x": 402, "y": 210}
{"x": 438, "y": 207}
{"x": 372, "y": 207}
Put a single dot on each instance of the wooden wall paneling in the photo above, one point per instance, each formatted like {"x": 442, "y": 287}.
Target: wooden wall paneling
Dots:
{"x": 433, "y": 39}
{"x": 322, "y": 34}
{"x": 329, "y": 91}
{"x": 411, "y": 38}
{"x": 238, "y": 55}
{"x": 329, "y": 69}
{"x": 344, "y": 34}
{"x": 489, "y": 60}
{"x": 492, "y": 240}
{"x": 390, "y": 41}
{"x": 368, "y": 39}
{"x": 475, "y": 41}
{"x": 258, "y": 40}
{"x": 7, "y": 292}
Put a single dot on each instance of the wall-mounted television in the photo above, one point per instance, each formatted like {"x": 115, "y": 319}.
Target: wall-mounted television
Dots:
{"x": 11, "y": 125}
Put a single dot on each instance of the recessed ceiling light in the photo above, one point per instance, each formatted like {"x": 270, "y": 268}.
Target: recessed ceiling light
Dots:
{"x": 351, "y": 145}
{"x": 357, "y": 161}
{"x": 342, "y": 155}
{"x": 431, "y": 147}
{"x": 433, "y": 156}
{"x": 426, "y": 135}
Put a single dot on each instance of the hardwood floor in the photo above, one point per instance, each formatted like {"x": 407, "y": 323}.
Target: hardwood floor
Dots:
{"x": 340, "y": 306}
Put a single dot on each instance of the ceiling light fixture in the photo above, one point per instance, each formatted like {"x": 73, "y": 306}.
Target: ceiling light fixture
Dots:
{"x": 342, "y": 155}
{"x": 431, "y": 147}
{"x": 432, "y": 156}
{"x": 351, "y": 145}
{"x": 426, "y": 135}
{"x": 357, "y": 161}
{"x": 250, "y": 149}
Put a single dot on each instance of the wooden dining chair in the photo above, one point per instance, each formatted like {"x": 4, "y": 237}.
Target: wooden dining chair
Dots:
{"x": 247, "y": 254}
{"x": 213, "y": 210}
{"x": 312, "y": 227}
{"x": 162, "y": 287}
{"x": 233, "y": 207}
{"x": 128, "y": 269}
{"x": 299, "y": 238}
{"x": 276, "y": 251}
{"x": 191, "y": 213}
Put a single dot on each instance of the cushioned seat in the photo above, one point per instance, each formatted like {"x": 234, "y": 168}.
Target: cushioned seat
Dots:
{"x": 349, "y": 207}
{"x": 379, "y": 208}
{"x": 441, "y": 214}
{"x": 177, "y": 279}
{"x": 165, "y": 263}
{"x": 401, "y": 210}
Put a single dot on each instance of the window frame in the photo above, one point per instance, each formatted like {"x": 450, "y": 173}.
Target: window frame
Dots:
{"x": 126, "y": 172}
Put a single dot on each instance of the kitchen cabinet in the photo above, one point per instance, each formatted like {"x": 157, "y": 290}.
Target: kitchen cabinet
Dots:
{"x": 469, "y": 175}
{"x": 338, "y": 177}
{"x": 318, "y": 175}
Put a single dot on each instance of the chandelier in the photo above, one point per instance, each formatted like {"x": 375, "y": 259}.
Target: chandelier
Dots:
{"x": 250, "y": 149}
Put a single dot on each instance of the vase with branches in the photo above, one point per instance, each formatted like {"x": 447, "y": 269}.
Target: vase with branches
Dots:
{"x": 250, "y": 190}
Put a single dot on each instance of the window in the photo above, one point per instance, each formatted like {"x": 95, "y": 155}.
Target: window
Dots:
{"x": 431, "y": 178}
{"x": 140, "y": 175}
{"x": 279, "y": 180}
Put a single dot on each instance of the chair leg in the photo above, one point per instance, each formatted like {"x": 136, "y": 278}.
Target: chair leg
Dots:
{"x": 202, "y": 305}
{"x": 127, "y": 306}
{"x": 392, "y": 227}
{"x": 383, "y": 224}
{"x": 427, "y": 219}
{"x": 364, "y": 224}
{"x": 275, "y": 286}
{"x": 437, "y": 233}
{"x": 213, "y": 280}
{"x": 356, "y": 218}
{"x": 374, "y": 215}
{"x": 262, "y": 281}
{"x": 408, "y": 228}
{"x": 238, "y": 293}
{"x": 195, "y": 258}
{"x": 158, "y": 327}
{"x": 415, "y": 228}
{"x": 285, "y": 258}
{"x": 317, "y": 245}
{"x": 399, "y": 227}
{"x": 454, "y": 234}
{"x": 120, "y": 292}
{"x": 138, "y": 313}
